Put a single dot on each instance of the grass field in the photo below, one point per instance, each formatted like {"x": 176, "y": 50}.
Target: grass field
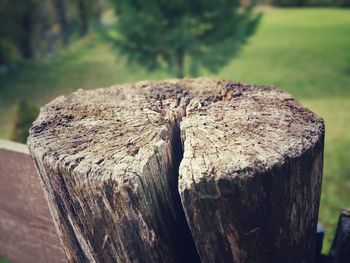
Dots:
{"x": 304, "y": 51}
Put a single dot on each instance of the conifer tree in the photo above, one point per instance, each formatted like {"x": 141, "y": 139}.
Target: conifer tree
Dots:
{"x": 182, "y": 36}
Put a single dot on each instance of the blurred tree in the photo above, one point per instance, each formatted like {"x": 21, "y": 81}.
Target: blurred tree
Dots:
{"x": 288, "y": 2}
{"x": 89, "y": 11}
{"x": 85, "y": 11}
{"x": 301, "y": 3}
{"x": 4, "y": 53}
{"x": 204, "y": 33}
{"x": 17, "y": 19}
{"x": 84, "y": 15}
{"x": 26, "y": 22}
{"x": 100, "y": 7}
{"x": 60, "y": 7}
{"x": 343, "y": 3}
{"x": 23, "y": 116}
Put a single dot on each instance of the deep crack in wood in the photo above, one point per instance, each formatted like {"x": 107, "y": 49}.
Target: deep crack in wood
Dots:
{"x": 249, "y": 179}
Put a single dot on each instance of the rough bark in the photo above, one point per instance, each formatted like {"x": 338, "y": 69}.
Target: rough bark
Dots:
{"x": 107, "y": 161}
{"x": 27, "y": 233}
{"x": 250, "y": 179}
{"x": 249, "y": 182}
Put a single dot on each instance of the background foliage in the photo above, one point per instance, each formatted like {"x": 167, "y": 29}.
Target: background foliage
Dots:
{"x": 308, "y": 3}
{"x": 22, "y": 118}
{"x": 159, "y": 33}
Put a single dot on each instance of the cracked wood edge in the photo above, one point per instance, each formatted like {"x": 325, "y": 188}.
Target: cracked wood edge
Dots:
{"x": 109, "y": 162}
{"x": 250, "y": 178}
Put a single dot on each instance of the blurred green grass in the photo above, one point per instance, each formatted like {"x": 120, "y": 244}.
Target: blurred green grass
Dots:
{"x": 303, "y": 51}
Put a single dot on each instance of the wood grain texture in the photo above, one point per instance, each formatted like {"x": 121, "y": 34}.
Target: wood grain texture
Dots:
{"x": 107, "y": 161}
{"x": 250, "y": 174}
{"x": 250, "y": 179}
{"x": 27, "y": 232}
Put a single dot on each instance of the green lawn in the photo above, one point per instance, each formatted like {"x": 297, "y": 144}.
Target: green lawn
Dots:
{"x": 304, "y": 51}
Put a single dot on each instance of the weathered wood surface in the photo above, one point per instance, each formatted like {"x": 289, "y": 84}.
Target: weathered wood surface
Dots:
{"x": 250, "y": 174}
{"x": 27, "y": 232}
{"x": 250, "y": 179}
{"x": 340, "y": 251}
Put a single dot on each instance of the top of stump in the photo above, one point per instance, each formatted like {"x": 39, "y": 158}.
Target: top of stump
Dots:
{"x": 227, "y": 128}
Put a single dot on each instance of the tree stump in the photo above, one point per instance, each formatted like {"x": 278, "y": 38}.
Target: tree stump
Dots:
{"x": 181, "y": 171}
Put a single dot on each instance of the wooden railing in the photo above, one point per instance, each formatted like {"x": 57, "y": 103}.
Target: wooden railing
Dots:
{"x": 27, "y": 232}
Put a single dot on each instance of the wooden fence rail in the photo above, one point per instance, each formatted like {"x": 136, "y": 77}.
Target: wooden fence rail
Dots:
{"x": 27, "y": 232}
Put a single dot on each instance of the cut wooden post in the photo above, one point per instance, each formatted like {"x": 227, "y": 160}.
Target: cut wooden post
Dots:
{"x": 250, "y": 174}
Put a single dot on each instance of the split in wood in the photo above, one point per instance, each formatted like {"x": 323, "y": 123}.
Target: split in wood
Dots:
{"x": 181, "y": 171}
